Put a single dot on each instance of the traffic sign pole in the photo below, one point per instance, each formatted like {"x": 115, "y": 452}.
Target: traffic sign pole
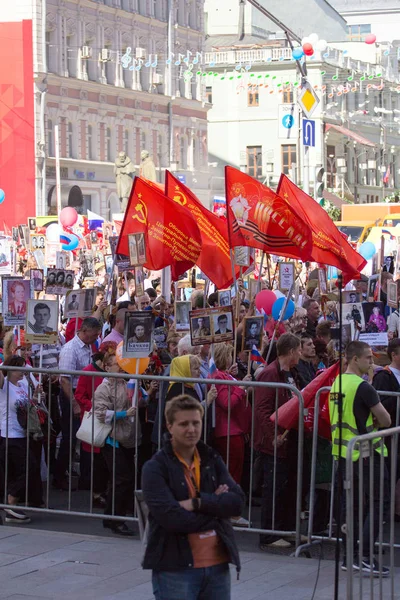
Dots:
{"x": 306, "y": 169}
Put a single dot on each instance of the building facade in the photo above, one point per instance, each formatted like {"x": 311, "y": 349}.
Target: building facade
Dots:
{"x": 256, "y": 124}
{"x": 381, "y": 17}
{"x": 111, "y": 76}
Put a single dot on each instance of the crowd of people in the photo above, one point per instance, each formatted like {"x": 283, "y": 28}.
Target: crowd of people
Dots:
{"x": 293, "y": 352}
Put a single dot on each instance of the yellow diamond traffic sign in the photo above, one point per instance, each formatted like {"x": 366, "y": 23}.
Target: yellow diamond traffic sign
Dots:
{"x": 308, "y": 100}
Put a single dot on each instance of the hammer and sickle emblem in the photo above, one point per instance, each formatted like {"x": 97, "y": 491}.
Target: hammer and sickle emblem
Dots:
{"x": 141, "y": 213}
{"x": 179, "y": 197}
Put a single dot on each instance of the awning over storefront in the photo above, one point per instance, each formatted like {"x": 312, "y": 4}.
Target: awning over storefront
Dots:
{"x": 351, "y": 134}
{"x": 336, "y": 201}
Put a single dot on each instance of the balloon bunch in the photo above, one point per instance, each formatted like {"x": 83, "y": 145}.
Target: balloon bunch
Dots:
{"x": 272, "y": 302}
{"x": 308, "y": 46}
{"x": 55, "y": 233}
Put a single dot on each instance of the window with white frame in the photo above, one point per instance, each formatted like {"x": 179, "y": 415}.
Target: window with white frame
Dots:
{"x": 143, "y": 141}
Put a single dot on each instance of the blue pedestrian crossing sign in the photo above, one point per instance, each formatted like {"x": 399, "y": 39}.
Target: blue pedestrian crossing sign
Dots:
{"x": 288, "y": 124}
{"x": 308, "y": 133}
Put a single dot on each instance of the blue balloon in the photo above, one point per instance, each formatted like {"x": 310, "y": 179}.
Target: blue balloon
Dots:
{"x": 72, "y": 243}
{"x": 2, "y": 196}
{"x": 367, "y": 250}
{"x": 278, "y": 306}
{"x": 298, "y": 53}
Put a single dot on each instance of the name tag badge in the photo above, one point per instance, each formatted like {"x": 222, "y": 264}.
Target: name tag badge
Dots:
{"x": 207, "y": 534}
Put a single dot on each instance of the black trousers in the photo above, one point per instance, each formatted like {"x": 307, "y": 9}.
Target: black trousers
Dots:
{"x": 370, "y": 502}
{"x": 14, "y": 450}
{"x": 100, "y": 472}
{"x": 124, "y": 479}
{"x": 285, "y": 497}
{"x": 66, "y": 449}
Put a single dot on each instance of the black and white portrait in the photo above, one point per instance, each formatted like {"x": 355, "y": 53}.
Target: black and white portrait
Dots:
{"x": 392, "y": 295}
{"x": 253, "y": 333}
{"x": 87, "y": 264}
{"x": 351, "y": 297}
{"x": 182, "y": 310}
{"x": 224, "y": 298}
{"x": 37, "y": 276}
{"x": 59, "y": 281}
{"x": 138, "y": 334}
{"x": 353, "y": 314}
{"x": 108, "y": 262}
{"x": 42, "y": 321}
{"x": 222, "y": 326}
{"x": 200, "y": 328}
{"x": 32, "y": 223}
{"x": 372, "y": 283}
{"x": 89, "y": 301}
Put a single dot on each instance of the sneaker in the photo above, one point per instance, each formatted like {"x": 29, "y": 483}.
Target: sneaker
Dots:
{"x": 356, "y": 566}
{"x": 281, "y": 543}
{"x": 16, "y": 516}
{"x": 367, "y": 565}
{"x": 239, "y": 522}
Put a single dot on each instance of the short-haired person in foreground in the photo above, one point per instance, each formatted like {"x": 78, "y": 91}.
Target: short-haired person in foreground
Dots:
{"x": 191, "y": 498}
{"x": 362, "y": 413}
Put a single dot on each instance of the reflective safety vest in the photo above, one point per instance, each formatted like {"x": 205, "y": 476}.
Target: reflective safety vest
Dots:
{"x": 350, "y": 384}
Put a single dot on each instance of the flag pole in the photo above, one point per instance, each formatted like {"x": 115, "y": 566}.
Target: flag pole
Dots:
{"x": 260, "y": 272}
{"x": 279, "y": 321}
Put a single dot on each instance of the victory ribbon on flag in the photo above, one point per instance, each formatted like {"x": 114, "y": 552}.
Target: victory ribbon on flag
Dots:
{"x": 214, "y": 259}
{"x": 260, "y": 218}
{"x": 171, "y": 234}
{"x": 328, "y": 245}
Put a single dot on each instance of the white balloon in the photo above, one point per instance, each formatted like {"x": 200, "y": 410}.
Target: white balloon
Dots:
{"x": 305, "y": 40}
{"x": 53, "y": 233}
{"x": 322, "y": 45}
{"x": 313, "y": 38}
{"x": 279, "y": 294}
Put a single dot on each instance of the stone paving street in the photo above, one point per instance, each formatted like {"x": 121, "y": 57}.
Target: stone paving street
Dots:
{"x": 38, "y": 564}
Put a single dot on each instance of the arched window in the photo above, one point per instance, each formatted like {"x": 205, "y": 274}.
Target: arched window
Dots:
{"x": 50, "y": 138}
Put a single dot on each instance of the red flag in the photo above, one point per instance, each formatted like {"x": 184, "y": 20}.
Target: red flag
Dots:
{"x": 259, "y": 218}
{"x": 329, "y": 246}
{"x": 214, "y": 259}
{"x": 288, "y": 413}
{"x": 171, "y": 235}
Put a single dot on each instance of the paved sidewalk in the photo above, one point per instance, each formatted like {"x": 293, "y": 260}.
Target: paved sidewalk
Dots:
{"x": 36, "y": 564}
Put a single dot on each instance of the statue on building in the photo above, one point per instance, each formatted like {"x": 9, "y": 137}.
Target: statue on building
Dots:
{"x": 124, "y": 172}
{"x": 147, "y": 167}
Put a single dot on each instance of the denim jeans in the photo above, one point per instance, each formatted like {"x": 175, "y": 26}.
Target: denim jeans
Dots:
{"x": 211, "y": 583}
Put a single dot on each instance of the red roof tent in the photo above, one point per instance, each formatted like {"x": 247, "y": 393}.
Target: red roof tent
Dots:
{"x": 351, "y": 134}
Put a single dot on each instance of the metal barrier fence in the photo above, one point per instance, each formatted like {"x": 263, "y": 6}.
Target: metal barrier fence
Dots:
{"x": 63, "y": 398}
{"x": 370, "y": 505}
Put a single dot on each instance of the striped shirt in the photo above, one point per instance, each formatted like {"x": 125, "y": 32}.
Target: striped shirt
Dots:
{"x": 51, "y": 354}
{"x": 75, "y": 356}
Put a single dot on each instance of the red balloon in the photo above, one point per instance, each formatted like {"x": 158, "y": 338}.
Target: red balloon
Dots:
{"x": 308, "y": 49}
{"x": 370, "y": 38}
{"x": 265, "y": 300}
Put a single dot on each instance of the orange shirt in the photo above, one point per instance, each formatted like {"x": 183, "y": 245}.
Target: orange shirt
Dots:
{"x": 207, "y": 548}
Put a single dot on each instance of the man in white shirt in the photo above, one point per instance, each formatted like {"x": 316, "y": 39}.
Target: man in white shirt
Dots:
{"x": 74, "y": 356}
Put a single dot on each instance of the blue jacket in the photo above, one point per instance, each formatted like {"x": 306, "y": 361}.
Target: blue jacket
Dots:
{"x": 164, "y": 486}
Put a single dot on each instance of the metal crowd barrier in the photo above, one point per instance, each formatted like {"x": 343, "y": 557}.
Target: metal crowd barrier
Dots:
{"x": 372, "y": 482}
{"x": 72, "y": 509}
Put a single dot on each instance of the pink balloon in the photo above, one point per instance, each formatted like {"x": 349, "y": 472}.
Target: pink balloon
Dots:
{"x": 265, "y": 300}
{"x": 68, "y": 216}
{"x": 370, "y": 38}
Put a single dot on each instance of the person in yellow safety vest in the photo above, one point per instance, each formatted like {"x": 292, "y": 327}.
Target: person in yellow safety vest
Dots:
{"x": 362, "y": 413}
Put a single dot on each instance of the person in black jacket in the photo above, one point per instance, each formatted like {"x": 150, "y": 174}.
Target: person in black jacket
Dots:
{"x": 191, "y": 497}
{"x": 388, "y": 380}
